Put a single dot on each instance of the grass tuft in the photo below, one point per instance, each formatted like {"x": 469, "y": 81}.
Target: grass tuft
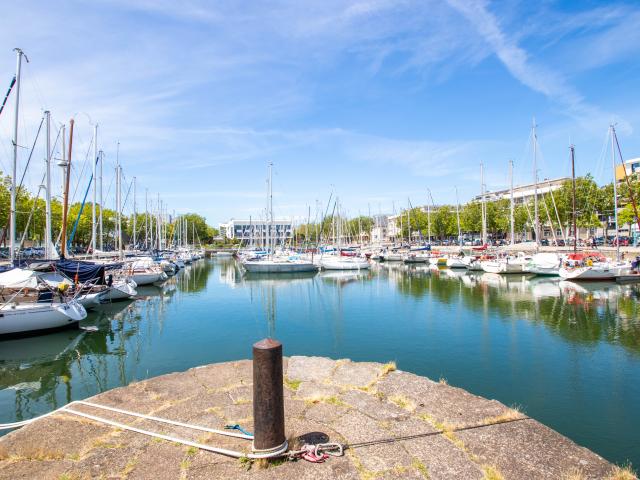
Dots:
{"x": 573, "y": 474}
{"x": 624, "y": 472}
{"x": 388, "y": 367}
{"x": 420, "y": 467}
{"x": 513, "y": 413}
{"x": 192, "y": 451}
{"x": 246, "y": 463}
{"x": 292, "y": 384}
{"x": 491, "y": 473}
{"x": 403, "y": 402}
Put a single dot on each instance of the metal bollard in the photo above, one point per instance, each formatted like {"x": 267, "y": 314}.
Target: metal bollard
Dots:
{"x": 268, "y": 397}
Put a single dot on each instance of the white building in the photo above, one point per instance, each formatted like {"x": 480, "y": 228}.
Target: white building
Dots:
{"x": 257, "y": 230}
{"x": 525, "y": 193}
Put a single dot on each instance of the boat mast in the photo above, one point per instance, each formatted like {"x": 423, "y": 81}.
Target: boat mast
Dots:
{"x": 458, "y": 218}
{"x": 95, "y": 189}
{"x": 573, "y": 198}
{"x": 14, "y": 173}
{"x": 118, "y": 201}
{"x": 101, "y": 154}
{"x": 536, "y": 221}
{"x": 615, "y": 192}
{"x": 269, "y": 239}
{"x": 429, "y": 215}
{"x": 65, "y": 203}
{"x": 511, "y": 219}
{"x": 146, "y": 219}
{"x": 47, "y": 227}
{"x": 626, "y": 178}
{"x": 134, "y": 213}
{"x": 483, "y": 205}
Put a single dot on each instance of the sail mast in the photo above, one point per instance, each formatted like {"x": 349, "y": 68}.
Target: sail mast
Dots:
{"x": 536, "y": 221}
{"x": 573, "y": 198}
{"x": 65, "y": 203}
{"x": 483, "y": 205}
{"x": 95, "y": 191}
{"x": 511, "y": 219}
{"x": 615, "y": 193}
{"x": 14, "y": 173}
{"x": 458, "y": 218}
{"x": 47, "y": 228}
{"x": 135, "y": 213}
{"x": 101, "y": 154}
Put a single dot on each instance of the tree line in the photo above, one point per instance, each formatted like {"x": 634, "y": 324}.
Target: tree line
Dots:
{"x": 594, "y": 209}
{"x": 31, "y": 210}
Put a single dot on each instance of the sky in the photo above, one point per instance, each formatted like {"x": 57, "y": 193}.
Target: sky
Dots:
{"x": 377, "y": 102}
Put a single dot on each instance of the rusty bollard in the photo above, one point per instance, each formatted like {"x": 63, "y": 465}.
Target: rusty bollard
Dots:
{"x": 268, "y": 397}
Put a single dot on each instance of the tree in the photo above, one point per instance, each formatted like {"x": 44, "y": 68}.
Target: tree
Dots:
{"x": 444, "y": 222}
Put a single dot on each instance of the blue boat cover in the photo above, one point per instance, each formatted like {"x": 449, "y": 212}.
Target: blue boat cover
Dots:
{"x": 82, "y": 271}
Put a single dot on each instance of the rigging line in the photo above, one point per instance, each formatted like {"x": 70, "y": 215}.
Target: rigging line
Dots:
{"x": 33, "y": 208}
{"x": 31, "y": 153}
{"x": 6, "y": 97}
{"x": 430, "y": 434}
{"x": 84, "y": 165}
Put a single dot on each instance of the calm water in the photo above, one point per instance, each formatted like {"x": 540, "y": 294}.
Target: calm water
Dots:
{"x": 568, "y": 354}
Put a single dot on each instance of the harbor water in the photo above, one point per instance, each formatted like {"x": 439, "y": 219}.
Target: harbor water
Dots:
{"x": 568, "y": 354}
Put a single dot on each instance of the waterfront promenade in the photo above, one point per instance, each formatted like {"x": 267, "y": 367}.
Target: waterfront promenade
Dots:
{"x": 396, "y": 424}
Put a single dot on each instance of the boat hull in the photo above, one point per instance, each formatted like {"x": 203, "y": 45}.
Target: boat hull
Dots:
{"x": 344, "y": 264}
{"x": 279, "y": 267}
{"x": 148, "y": 278}
{"x": 28, "y": 319}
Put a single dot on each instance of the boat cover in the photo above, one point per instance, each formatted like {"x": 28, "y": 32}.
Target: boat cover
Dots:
{"x": 82, "y": 271}
{"x": 19, "y": 278}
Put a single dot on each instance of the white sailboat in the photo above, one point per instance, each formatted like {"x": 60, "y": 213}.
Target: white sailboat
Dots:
{"x": 509, "y": 264}
{"x": 336, "y": 261}
{"x": 545, "y": 264}
{"x": 273, "y": 263}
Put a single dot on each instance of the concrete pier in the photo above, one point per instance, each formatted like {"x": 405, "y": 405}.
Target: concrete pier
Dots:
{"x": 399, "y": 425}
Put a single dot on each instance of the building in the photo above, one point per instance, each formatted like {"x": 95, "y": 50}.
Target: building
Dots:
{"x": 632, "y": 167}
{"x": 525, "y": 193}
{"x": 256, "y": 230}
{"x": 379, "y": 229}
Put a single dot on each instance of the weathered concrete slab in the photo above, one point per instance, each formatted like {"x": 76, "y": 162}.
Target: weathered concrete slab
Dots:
{"x": 309, "y": 369}
{"x": 351, "y": 374}
{"x": 398, "y": 426}
{"x": 528, "y": 449}
{"x": 444, "y": 403}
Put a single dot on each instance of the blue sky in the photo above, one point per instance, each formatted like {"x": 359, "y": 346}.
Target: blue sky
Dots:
{"x": 374, "y": 100}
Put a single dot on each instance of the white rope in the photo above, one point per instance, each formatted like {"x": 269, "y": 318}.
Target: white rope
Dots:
{"x": 164, "y": 420}
{"x": 223, "y": 451}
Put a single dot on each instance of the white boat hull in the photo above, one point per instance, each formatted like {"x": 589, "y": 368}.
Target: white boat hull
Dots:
{"x": 456, "y": 263}
{"x": 391, "y": 257}
{"x": 34, "y": 317}
{"x": 266, "y": 266}
{"x": 344, "y": 264}
{"x": 501, "y": 267}
{"x": 119, "y": 291}
{"x": 148, "y": 278}
{"x": 590, "y": 273}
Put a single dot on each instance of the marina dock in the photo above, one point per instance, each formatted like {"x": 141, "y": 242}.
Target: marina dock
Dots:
{"x": 395, "y": 425}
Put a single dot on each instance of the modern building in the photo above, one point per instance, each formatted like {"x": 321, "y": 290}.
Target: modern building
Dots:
{"x": 257, "y": 230}
{"x": 632, "y": 167}
{"x": 525, "y": 193}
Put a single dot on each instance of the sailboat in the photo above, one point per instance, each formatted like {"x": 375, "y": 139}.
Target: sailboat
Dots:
{"x": 457, "y": 261}
{"x": 19, "y": 314}
{"x": 338, "y": 261}
{"x": 276, "y": 263}
{"x": 588, "y": 268}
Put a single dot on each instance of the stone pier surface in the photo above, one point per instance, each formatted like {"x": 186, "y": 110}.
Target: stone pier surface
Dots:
{"x": 398, "y": 425}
